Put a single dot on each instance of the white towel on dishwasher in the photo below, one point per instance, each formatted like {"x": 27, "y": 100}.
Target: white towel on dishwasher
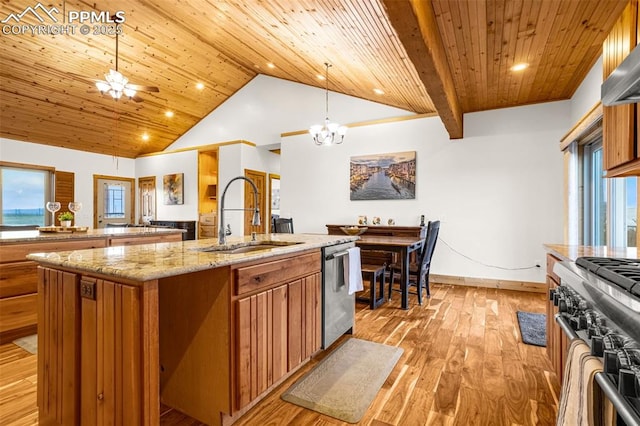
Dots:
{"x": 353, "y": 270}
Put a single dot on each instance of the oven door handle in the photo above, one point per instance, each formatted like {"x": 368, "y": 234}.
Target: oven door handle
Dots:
{"x": 566, "y": 328}
{"x": 622, "y": 407}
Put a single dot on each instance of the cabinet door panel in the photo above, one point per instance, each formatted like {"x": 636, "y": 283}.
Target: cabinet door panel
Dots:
{"x": 279, "y": 332}
{"x": 243, "y": 358}
{"x": 618, "y": 123}
{"x": 295, "y": 325}
{"x": 58, "y": 371}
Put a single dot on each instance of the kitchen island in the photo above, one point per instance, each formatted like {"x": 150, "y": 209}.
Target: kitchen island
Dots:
{"x": 18, "y": 279}
{"x": 206, "y": 329}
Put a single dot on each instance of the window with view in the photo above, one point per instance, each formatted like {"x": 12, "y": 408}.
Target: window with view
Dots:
{"x": 114, "y": 200}
{"x": 24, "y": 193}
{"x": 610, "y": 205}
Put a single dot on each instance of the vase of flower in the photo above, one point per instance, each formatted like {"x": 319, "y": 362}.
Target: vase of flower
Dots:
{"x": 65, "y": 219}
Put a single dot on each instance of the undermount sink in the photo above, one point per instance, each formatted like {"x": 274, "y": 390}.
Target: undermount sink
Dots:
{"x": 246, "y": 247}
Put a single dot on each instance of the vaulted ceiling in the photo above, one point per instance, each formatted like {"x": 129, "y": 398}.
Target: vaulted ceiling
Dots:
{"x": 444, "y": 56}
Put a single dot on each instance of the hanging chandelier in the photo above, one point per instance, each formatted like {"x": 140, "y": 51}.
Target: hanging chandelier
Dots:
{"x": 328, "y": 133}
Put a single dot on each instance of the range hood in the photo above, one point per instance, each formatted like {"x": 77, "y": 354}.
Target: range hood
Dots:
{"x": 623, "y": 85}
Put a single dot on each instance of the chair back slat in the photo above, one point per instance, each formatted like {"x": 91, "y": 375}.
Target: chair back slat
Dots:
{"x": 283, "y": 225}
{"x": 433, "y": 228}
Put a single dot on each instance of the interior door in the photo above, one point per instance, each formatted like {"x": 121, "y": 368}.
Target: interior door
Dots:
{"x": 260, "y": 179}
{"x": 112, "y": 201}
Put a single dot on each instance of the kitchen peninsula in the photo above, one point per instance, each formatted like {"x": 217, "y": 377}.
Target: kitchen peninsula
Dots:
{"x": 18, "y": 278}
{"x": 206, "y": 329}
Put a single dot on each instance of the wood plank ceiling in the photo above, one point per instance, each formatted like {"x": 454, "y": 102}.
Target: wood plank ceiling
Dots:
{"x": 45, "y": 80}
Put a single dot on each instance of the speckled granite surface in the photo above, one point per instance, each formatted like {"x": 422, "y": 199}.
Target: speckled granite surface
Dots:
{"x": 571, "y": 253}
{"x": 7, "y": 237}
{"x": 152, "y": 261}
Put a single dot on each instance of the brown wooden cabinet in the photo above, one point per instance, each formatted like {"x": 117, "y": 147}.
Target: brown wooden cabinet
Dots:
{"x": 619, "y": 123}
{"x": 278, "y": 322}
{"x": 90, "y": 351}
{"x": 557, "y": 343}
{"x": 210, "y": 343}
{"x": 18, "y": 279}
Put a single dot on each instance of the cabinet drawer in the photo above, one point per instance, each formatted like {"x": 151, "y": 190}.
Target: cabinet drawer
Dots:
{"x": 551, "y": 261}
{"x": 18, "y": 278}
{"x": 18, "y": 312}
{"x": 15, "y": 252}
{"x": 154, "y": 239}
{"x": 257, "y": 277}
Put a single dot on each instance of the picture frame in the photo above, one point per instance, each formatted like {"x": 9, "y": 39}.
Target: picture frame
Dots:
{"x": 173, "y": 189}
{"x": 390, "y": 176}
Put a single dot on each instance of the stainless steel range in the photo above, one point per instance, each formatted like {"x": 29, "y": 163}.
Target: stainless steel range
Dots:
{"x": 599, "y": 302}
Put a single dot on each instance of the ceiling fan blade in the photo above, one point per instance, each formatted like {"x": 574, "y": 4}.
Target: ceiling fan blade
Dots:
{"x": 139, "y": 88}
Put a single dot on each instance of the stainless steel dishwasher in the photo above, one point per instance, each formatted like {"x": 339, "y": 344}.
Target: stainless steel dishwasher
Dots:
{"x": 338, "y": 306}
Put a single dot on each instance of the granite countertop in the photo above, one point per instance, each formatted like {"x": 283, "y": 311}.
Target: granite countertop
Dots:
{"x": 571, "y": 252}
{"x": 33, "y": 236}
{"x": 152, "y": 261}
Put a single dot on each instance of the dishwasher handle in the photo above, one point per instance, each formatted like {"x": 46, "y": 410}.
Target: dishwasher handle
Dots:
{"x": 336, "y": 255}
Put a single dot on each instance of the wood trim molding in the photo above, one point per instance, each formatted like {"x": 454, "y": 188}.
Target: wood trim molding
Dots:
{"x": 26, "y": 166}
{"x": 209, "y": 147}
{"x": 369, "y": 123}
{"x": 584, "y": 126}
{"x": 414, "y": 21}
{"x": 490, "y": 283}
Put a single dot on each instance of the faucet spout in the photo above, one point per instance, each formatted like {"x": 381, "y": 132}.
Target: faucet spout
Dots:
{"x": 222, "y": 236}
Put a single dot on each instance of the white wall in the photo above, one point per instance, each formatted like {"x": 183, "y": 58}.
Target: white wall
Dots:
{"x": 587, "y": 94}
{"x": 83, "y": 164}
{"x": 267, "y": 106}
{"x": 180, "y": 162}
{"x": 498, "y": 191}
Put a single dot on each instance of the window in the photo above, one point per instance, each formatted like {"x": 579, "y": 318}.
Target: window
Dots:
{"x": 610, "y": 205}
{"x": 25, "y": 191}
{"x": 114, "y": 200}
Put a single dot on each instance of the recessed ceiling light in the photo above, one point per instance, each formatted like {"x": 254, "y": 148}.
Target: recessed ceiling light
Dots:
{"x": 270, "y": 65}
{"x": 145, "y": 136}
{"x": 320, "y": 77}
{"x": 168, "y": 114}
{"x": 519, "y": 67}
{"x": 199, "y": 85}
{"x": 378, "y": 91}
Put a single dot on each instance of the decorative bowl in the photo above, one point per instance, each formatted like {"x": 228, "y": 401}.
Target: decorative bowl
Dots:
{"x": 353, "y": 230}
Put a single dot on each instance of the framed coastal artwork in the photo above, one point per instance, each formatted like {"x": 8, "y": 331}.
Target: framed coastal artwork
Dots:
{"x": 389, "y": 176}
{"x": 173, "y": 188}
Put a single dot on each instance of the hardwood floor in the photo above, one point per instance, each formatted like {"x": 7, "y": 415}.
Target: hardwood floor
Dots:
{"x": 463, "y": 364}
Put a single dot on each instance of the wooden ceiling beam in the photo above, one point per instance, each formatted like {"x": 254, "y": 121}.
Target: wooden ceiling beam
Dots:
{"x": 415, "y": 24}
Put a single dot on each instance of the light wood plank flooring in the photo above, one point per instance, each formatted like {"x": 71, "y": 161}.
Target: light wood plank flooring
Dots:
{"x": 463, "y": 364}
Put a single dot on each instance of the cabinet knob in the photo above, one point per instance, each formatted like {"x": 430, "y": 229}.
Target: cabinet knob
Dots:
{"x": 100, "y": 396}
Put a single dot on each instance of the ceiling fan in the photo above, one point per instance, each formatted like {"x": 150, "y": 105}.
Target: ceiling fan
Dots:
{"x": 116, "y": 84}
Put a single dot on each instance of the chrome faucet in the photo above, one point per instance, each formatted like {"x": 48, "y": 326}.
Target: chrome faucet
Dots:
{"x": 222, "y": 236}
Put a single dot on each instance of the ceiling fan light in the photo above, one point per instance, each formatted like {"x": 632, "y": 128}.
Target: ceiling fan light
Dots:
{"x": 128, "y": 92}
{"x": 115, "y": 94}
{"x": 103, "y": 86}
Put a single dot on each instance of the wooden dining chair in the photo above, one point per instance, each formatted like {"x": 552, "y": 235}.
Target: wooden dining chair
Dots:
{"x": 419, "y": 271}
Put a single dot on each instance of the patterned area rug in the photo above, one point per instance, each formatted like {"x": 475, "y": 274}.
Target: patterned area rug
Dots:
{"x": 533, "y": 328}
{"x": 344, "y": 383}
{"x": 28, "y": 343}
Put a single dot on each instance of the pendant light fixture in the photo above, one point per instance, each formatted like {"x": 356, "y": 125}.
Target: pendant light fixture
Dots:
{"x": 328, "y": 133}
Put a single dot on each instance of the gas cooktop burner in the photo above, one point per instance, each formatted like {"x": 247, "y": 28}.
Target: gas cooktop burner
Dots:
{"x": 622, "y": 272}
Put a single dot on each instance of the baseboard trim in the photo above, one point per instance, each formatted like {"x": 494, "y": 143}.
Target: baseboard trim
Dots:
{"x": 489, "y": 283}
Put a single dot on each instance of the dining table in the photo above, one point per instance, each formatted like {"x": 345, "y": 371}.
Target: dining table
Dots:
{"x": 403, "y": 246}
